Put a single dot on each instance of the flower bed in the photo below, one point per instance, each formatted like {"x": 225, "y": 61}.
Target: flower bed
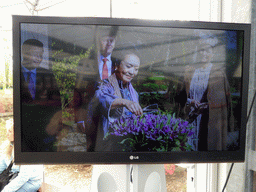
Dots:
{"x": 151, "y": 132}
{"x": 6, "y": 101}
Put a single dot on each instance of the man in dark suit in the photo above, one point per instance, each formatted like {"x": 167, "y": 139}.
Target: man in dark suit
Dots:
{"x": 40, "y": 98}
{"x": 106, "y": 46}
{"x": 88, "y": 116}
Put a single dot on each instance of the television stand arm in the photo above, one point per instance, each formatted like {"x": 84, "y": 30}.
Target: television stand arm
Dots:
{"x": 125, "y": 178}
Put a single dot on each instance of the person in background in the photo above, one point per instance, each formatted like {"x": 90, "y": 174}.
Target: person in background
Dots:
{"x": 106, "y": 64}
{"x": 40, "y": 98}
{"x": 104, "y": 67}
{"x": 37, "y": 83}
{"x": 117, "y": 98}
{"x": 208, "y": 98}
{"x": 30, "y": 177}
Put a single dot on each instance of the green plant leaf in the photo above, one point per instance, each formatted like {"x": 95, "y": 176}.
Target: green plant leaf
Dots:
{"x": 176, "y": 149}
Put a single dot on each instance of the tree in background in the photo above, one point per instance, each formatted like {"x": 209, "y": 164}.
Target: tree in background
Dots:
{"x": 8, "y": 75}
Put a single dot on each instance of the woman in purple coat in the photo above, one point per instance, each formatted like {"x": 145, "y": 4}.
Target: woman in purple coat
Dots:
{"x": 117, "y": 98}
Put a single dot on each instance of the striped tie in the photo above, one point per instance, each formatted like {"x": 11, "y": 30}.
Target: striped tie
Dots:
{"x": 105, "y": 69}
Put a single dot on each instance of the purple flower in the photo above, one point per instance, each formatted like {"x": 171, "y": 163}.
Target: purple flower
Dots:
{"x": 159, "y": 128}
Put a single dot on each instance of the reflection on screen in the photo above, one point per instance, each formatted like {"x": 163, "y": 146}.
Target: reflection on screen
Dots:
{"x": 88, "y": 88}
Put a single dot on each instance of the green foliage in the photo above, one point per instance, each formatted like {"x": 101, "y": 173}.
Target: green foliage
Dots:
{"x": 65, "y": 73}
{"x": 6, "y": 106}
{"x": 6, "y": 78}
{"x": 166, "y": 112}
{"x": 150, "y": 87}
{"x": 153, "y": 87}
{"x": 8, "y": 75}
{"x": 2, "y": 130}
{"x": 156, "y": 78}
{"x": 234, "y": 99}
{"x": 149, "y": 98}
{"x": 2, "y": 80}
{"x": 6, "y": 101}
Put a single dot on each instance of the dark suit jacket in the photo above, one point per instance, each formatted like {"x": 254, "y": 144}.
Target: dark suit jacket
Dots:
{"x": 82, "y": 98}
{"x": 37, "y": 113}
{"x": 115, "y": 62}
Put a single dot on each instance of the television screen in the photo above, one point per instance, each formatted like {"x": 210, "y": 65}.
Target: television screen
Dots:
{"x": 108, "y": 90}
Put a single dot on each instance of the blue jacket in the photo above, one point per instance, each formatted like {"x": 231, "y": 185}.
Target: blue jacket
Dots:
{"x": 27, "y": 173}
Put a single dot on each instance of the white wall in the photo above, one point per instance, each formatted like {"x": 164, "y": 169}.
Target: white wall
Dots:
{"x": 237, "y": 11}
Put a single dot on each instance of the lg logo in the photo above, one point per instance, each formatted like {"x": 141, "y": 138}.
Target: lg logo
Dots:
{"x": 134, "y": 157}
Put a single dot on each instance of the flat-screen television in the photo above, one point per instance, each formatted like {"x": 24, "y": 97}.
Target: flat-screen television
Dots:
{"x": 114, "y": 91}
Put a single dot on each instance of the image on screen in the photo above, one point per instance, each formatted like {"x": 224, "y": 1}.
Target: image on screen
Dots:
{"x": 100, "y": 88}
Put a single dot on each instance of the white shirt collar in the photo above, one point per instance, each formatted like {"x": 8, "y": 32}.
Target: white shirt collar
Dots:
{"x": 108, "y": 57}
{"x": 24, "y": 69}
